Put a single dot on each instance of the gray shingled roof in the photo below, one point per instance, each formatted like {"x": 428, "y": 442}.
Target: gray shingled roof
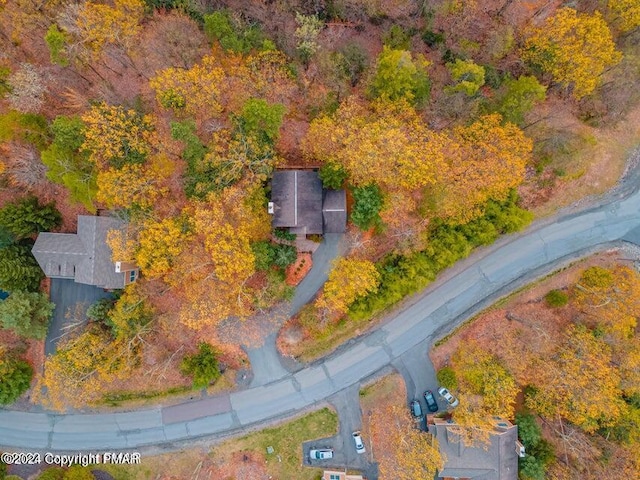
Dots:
{"x": 334, "y": 211}
{"x": 297, "y": 199}
{"x": 496, "y": 461}
{"x": 84, "y": 256}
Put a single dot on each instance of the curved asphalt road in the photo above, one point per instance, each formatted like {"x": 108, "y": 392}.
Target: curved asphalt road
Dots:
{"x": 458, "y": 293}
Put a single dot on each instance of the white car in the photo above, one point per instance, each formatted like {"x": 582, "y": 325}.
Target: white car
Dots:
{"x": 358, "y": 441}
{"x": 321, "y": 454}
{"x": 451, "y": 400}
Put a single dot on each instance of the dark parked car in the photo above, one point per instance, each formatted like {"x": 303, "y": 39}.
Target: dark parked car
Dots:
{"x": 416, "y": 410}
{"x": 432, "y": 405}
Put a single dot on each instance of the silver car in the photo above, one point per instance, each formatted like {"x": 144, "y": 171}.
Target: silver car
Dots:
{"x": 321, "y": 454}
{"x": 358, "y": 441}
{"x": 451, "y": 400}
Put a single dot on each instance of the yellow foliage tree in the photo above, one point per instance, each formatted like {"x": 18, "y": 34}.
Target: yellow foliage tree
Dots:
{"x": 575, "y": 48}
{"x": 611, "y": 298}
{"x": 115, "y": 136}
{"x": 388, "y": 145}
{"x": 84, "y": 367}
{"x": 486, "y": 160}
{"x": 195, "y": 90}
{"x": 626, "y": 14}
{"x": 101, "y": 24}
{"x": 404, "y": 452}
{"x": 220, "y": 260}
{"x": 129, "y": 186}
{"x": 159, "y": 243}
{"x": 486, "y": 390}
{"x": 580, "y": 383}
{"x": 349, "y": 279}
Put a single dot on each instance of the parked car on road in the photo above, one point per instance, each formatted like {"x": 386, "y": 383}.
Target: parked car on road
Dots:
{"x": 451, "y": 400}
{"x": 416, "y": 410}
{"x": 357, "y": 438}
{"x": 321, "y": 454}
{"x": 432, "y": 405}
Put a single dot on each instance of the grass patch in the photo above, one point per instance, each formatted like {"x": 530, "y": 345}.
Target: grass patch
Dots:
{"x": 286, "y": 441}
{"x": 115, "y": 399}
{"x": 556, "y": 298}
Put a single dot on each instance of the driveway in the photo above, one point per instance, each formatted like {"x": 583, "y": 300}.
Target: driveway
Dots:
{"x": 347, "y": 404}
{"x": 72, "y": 300}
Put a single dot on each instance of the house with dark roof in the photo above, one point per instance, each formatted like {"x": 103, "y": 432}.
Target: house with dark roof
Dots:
{"x": 299, "y": 203}
{"x": 84, "y": 256}
{"x": 496, "y": 461}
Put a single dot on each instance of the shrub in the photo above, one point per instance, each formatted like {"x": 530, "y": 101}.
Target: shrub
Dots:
{"x": 99, "y": 311}
{"x": 556, "y": 298}
{"x": 53, "y": 473}
{"x": 202, "y": 366}
{"x": 447, "y": 378}
{"x": 432, "y": 38}
{"x": 284, "y": 255}
{"x": 284, "y": 234}
{"x": 596, "y": 277}
{"x": 78, "y": 472}
{"x": 332, "y": 175}
{"x": 15, "y": 378}
{"x": 264, "y": 254}
{"x": 528, "y": 429}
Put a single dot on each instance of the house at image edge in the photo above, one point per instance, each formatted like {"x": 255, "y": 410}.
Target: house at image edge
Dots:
{"x": 299, "y": 203}
{"x": 496, "y": 461}
{"x": 84, "y": 256}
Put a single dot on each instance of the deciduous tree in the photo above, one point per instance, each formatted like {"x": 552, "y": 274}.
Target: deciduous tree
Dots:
{"x": 468, "y": 77}
{"x": 115, "y": 136}
{"x": 159, "y": 244}
{"x": 15, "y": 377}
{"x": 399, "y": 77}
{"x": 574, "y": 48}
{"x": 404, "y": 452}
{"x": 486, "y": 161}
{"x": 626, "y": 14}
{"x": 517, "y": 96}
{"x": 388, "y": 145}
{"x": 100, "y": 24}
{"x": 349, "y": 279}
{"x": 580, "y": 383}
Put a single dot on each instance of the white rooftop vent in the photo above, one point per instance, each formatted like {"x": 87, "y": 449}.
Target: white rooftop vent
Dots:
{"x": 118, "y": 265}
{"x": 271, "y": 208}
{"x": 520, "y": 449}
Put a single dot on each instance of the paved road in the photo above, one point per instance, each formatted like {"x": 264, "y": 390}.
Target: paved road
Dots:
{"x": 462, "y": 291}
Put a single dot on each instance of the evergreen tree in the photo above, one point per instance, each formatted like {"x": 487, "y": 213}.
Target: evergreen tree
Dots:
{"x": 27, "y": 217}
{"x": 26, "y": 313}
{"x": 18, "y": 269}
{"x": 202, "y": 366}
